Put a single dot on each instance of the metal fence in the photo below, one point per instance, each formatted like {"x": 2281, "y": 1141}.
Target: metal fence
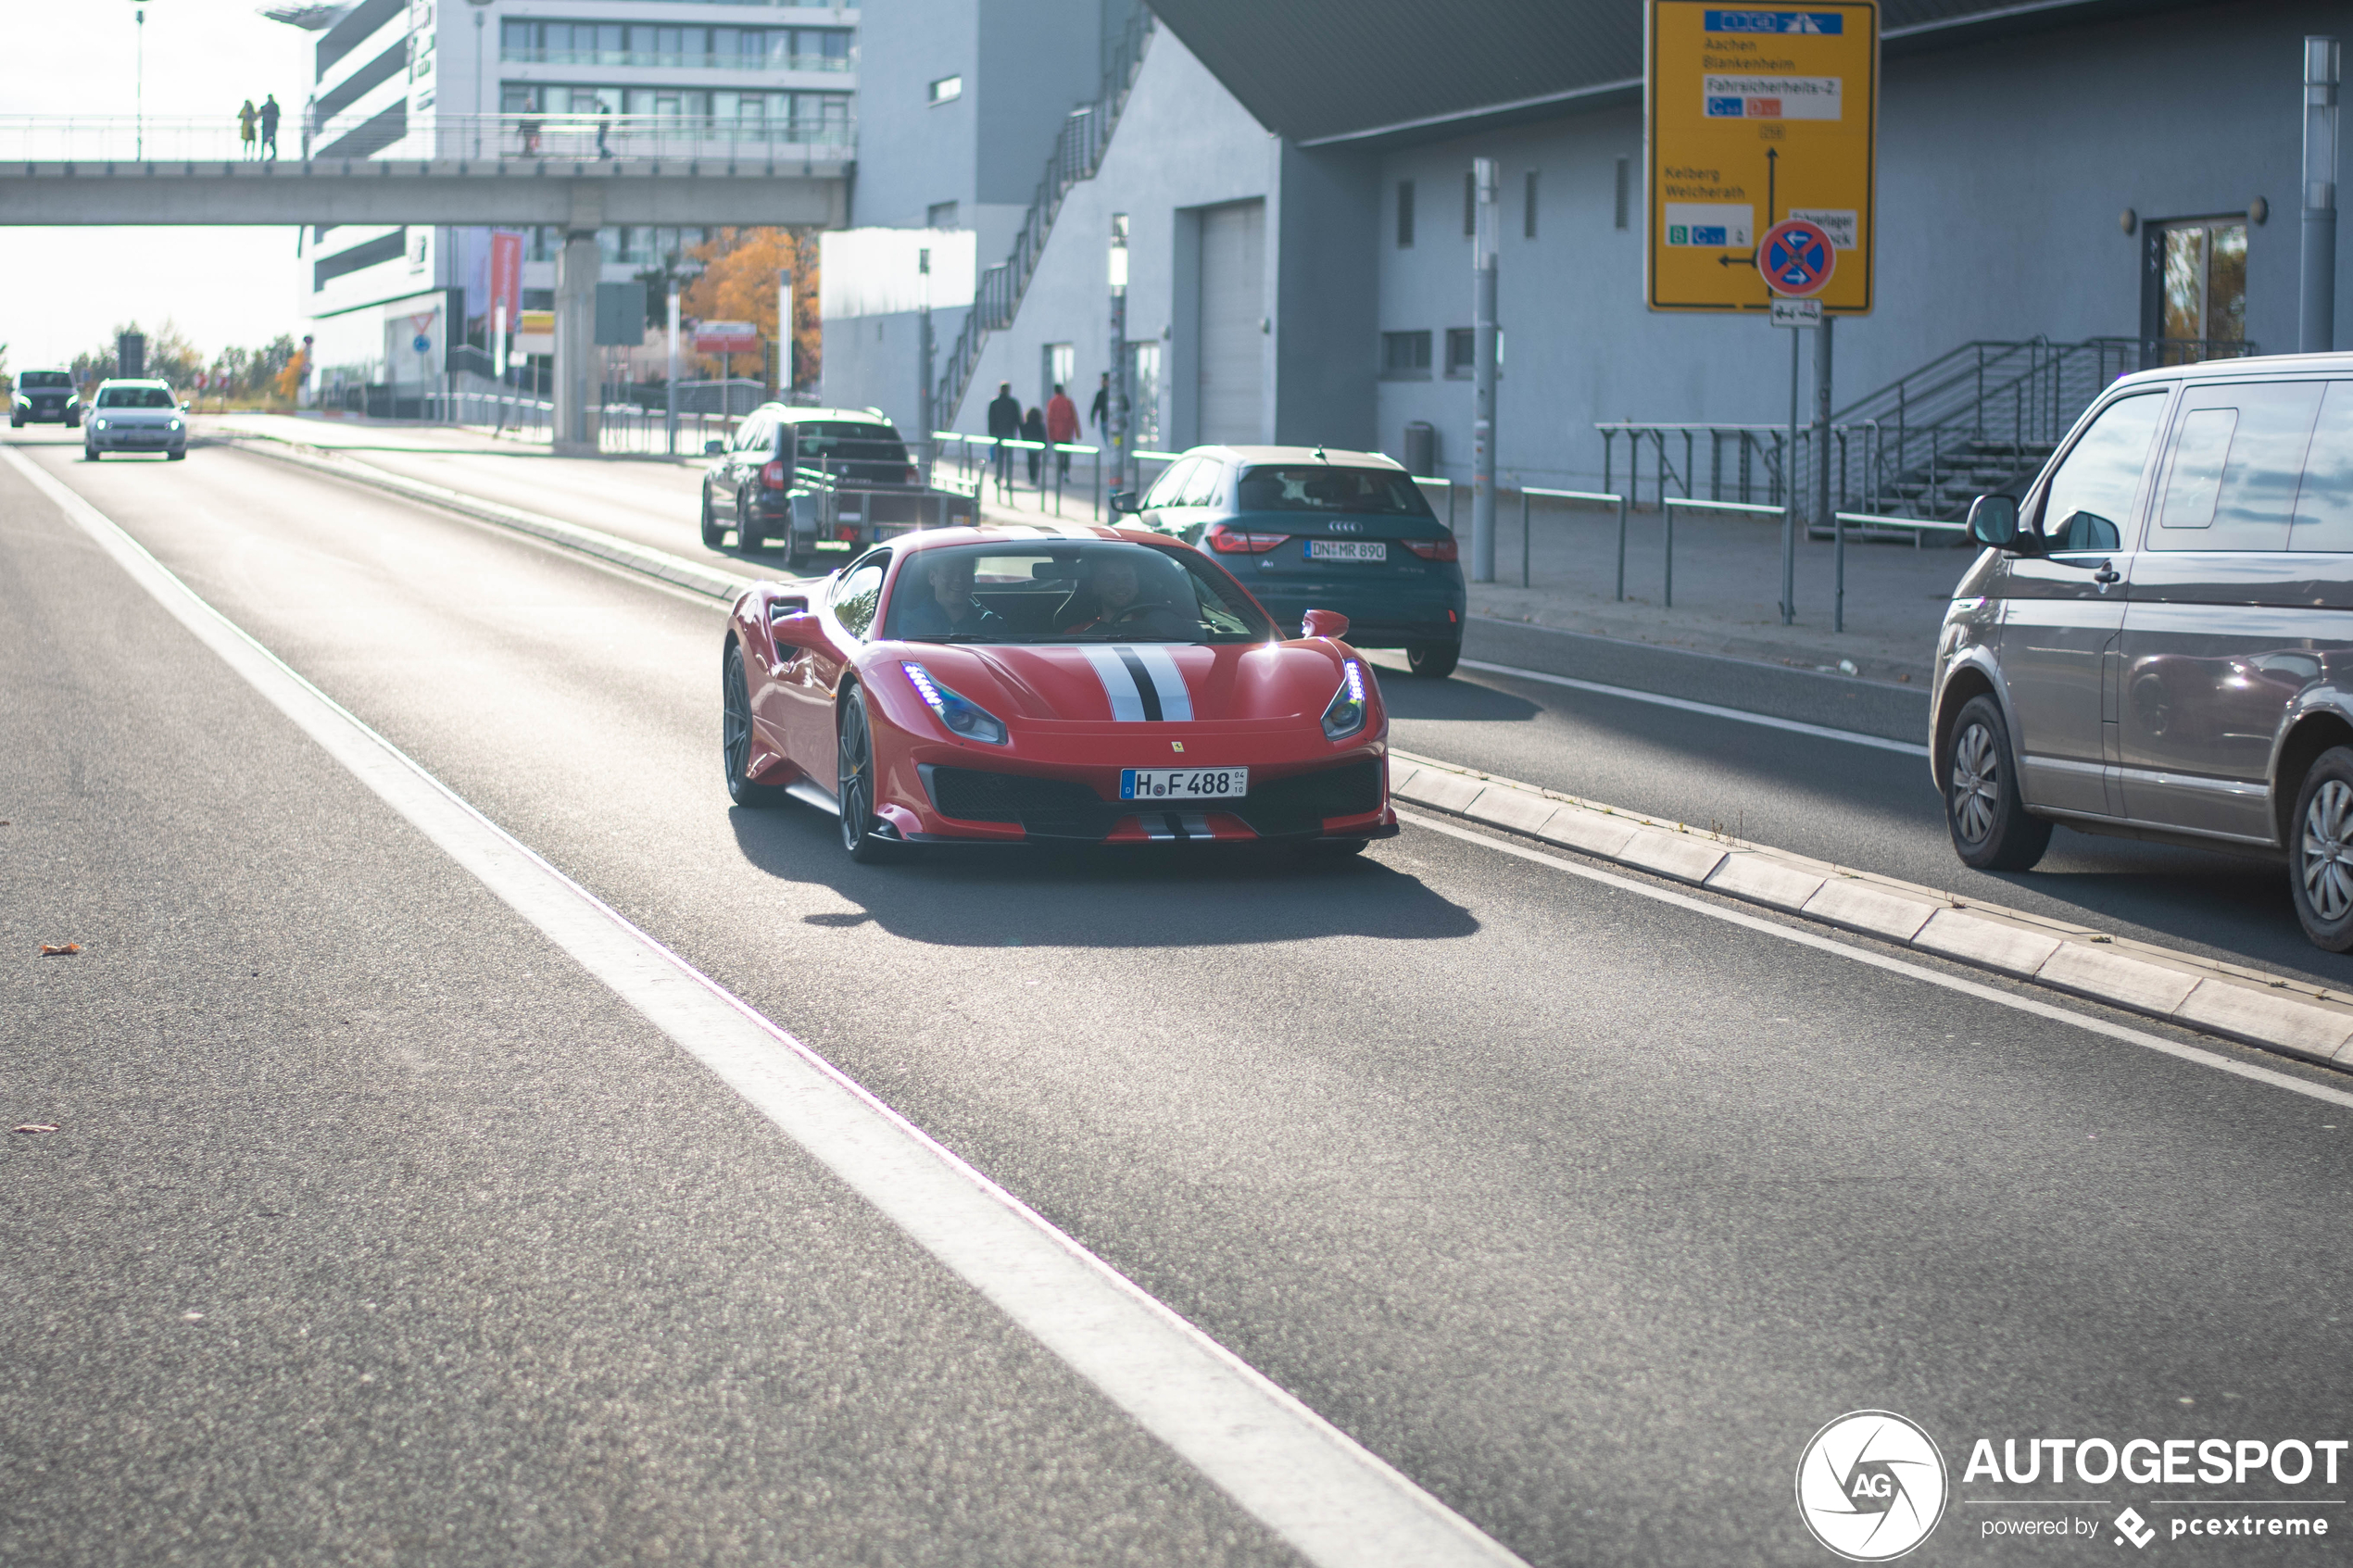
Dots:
{"x": 818, "y": 142}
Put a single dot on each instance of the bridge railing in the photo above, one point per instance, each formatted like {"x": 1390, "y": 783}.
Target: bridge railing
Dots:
{"x": 814, "y": 138}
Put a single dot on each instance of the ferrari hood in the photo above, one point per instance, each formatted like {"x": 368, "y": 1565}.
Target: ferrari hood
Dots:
{"x": 1140, "y": 682}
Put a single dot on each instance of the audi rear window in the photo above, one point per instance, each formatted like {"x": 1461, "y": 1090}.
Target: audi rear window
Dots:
{"x": 1317, "y": 487}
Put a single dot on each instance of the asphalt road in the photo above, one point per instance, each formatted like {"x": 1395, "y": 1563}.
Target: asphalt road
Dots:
{"x": 1581, "y": 1209}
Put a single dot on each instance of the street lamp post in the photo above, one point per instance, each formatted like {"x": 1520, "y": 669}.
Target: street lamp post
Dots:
{"x": 1118, "y": 351}
{"x": 139, "y": 83}
{"x": 479, "y": 8}
{"x": 1484, "y": 246}
{"x": 925, "y": 413}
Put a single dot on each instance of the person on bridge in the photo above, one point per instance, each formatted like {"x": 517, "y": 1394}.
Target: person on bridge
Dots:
{"x": 244, "y": 129}
{"x": 1098, "y": 411}
{"x": 1004, "y": 424}
{"x": 1062, "y": 427}
{"x": 270, "y": 113}
{"x": 604, "y": 127}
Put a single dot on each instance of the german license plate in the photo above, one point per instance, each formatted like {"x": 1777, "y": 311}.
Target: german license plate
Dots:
{"x": 1345, "y": 550}
{"x": 1184, "y": 783}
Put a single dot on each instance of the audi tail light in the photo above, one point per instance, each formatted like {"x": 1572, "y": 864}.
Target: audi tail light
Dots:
{"x": 1435, "y": 549}
{"x": 1234, "y": 542}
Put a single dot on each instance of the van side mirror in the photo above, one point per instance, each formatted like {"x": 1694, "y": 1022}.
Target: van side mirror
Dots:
{"x": 714, "y": 448}
{"x": 1125, "y": 501}
{"x": 1992, "y": 519}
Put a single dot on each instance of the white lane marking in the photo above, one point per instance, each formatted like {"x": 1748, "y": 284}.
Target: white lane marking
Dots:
{"x": 1740, "y": 714}
{"x": 1119, "y": 683}
{"x": 1176, "y": 702}
{"x": 1334, "y": 1502}
{"x": 1880, "y": 961}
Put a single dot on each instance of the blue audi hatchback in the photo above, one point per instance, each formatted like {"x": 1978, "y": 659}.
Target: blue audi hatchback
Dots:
{"x": 1308, "y": 528}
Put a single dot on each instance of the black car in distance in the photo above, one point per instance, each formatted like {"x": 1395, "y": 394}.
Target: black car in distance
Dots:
{"x": 820, "y": 482}
{"x": 45, "y": 398}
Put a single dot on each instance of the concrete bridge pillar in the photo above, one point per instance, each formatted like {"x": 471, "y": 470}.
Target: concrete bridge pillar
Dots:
{"x": 577, "y": 268}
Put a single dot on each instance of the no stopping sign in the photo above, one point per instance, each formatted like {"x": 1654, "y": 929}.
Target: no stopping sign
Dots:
{"x": 1796, "y": 257}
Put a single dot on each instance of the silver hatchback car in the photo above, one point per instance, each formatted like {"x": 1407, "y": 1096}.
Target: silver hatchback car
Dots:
{"x": 134, "y": 415}
{"x": 2158, "y": 641}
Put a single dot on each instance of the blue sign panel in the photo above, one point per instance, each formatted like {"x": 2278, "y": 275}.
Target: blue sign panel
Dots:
{"x": 1774, "y": 22}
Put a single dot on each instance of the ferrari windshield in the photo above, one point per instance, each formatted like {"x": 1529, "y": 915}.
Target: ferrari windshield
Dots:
{"x": 1069, "y": 591}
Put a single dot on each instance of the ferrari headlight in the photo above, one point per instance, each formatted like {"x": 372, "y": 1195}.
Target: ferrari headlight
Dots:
{"x": 962, "y": 716}
{"x": 1345, "y": 714}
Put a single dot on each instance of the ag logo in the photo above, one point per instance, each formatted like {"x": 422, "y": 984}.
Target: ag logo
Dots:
{"x": 1870, "y": 1485}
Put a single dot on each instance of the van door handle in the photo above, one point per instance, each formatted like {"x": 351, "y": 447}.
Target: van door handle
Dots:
{"x": 2107, "y": 573}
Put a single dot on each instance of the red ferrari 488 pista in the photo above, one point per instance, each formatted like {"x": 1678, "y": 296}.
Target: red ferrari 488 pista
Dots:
{"x": 1015, "y": 683}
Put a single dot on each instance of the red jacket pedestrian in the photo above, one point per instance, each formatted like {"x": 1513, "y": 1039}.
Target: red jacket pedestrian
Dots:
{"x": 1062, "y": 418}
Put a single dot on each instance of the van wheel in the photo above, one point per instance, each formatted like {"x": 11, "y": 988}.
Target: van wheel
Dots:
{"x": 714, "y": 533}
{"x": 747, "y": 533}
{"x": 1991, "y": 829}
{"x": 2320, "y": 853}
{"x": 1433, "y": 661}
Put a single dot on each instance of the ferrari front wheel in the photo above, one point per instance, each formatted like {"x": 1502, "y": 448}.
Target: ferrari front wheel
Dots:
{"x": 855, "y": 789}
{"x": 735, "y": 735}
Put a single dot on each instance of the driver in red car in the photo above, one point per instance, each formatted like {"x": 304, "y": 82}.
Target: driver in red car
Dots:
{"x": 1112, "y": 602}
{"x": 949, "y": 610}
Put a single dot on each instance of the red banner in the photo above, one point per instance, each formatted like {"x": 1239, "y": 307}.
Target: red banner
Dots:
{"x": 506, "y": 274}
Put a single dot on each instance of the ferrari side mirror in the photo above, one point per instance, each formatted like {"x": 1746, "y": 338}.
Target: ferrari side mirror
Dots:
{"x": 1325, "y": 623}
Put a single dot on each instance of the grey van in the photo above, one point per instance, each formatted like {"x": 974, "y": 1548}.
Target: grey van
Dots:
{"x": 2157, "y": 642}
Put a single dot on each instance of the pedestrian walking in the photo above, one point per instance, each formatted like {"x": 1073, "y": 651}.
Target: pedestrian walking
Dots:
{"x": 1098, "y": 411}
{"x": 529, "y": 131}
{"x": 1062, "y": 428}
{"x": 1004, "y": 424}
{"x": 270, "y": 113}
{"x": 244, "y": 129}
{"x": 604, "y": 127}
{"x": 1033, "y": 428}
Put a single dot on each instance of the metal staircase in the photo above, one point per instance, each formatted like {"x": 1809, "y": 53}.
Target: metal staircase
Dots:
{"x": 1983, "y": 418}
{"x": 1078, "y": 152}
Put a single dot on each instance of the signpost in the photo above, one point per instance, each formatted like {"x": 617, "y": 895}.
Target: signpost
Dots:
{"x": 1763, "y": 149}
{"x": 1756, "y": 119}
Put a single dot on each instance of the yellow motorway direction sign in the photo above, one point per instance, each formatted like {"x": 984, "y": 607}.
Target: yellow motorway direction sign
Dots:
{"x": 1754, "y": 118}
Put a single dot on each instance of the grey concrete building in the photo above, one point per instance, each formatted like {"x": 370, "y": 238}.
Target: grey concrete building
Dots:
{"x": 1293, "y": 179}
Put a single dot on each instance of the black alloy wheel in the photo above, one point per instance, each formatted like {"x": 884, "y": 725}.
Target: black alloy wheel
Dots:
{"x": 714, "y": 533}
{"x": 2320, "y": 851}
{"x": 1433, "y": 661}
{"x": 855, "y": 789}
{"x": 748, "y": 532}
{"x": 1991, "y": 829}
{"x": 734, "y": 735}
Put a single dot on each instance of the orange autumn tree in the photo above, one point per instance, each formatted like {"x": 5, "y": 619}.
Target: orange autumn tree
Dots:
{"x": 739, "y": 284}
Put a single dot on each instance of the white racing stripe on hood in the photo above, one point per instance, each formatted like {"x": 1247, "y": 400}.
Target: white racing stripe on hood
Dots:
{"x": 1176, "y": 702}
{"x": 1126, "y": 701}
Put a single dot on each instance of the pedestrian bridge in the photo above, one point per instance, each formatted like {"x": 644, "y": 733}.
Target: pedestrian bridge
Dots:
{"x": 508, "y": 171}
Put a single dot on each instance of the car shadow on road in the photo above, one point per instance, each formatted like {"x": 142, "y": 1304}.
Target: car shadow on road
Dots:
{"x": 1408, "y": 696}
{"x": 1172, "y": 895}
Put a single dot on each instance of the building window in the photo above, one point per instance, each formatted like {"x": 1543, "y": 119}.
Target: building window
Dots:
{"x": 1471, "y": 204}
{"x": 641, "y": 44}
{"x": 947, "y": 90}
{"x": 1404, "y": 214}
{"x": 2200, "y": 274}
{"x": 940, "y": 214}
{"x": 1462, "y": 347}
{"x": 1404, "y": 356}
{"x": 1528, "y": 209}
{"x": 1625, "y": 191}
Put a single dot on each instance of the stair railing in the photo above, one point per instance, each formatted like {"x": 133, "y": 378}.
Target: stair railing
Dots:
{"x": 1078, "y": 152}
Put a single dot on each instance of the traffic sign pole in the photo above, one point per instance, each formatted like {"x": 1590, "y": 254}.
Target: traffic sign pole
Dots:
{"x": 1822, "y": 471}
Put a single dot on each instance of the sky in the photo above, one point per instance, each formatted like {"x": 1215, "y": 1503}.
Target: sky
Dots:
{"x": 65, "y": 290}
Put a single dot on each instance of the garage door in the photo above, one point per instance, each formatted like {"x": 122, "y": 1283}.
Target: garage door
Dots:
{"x": 1233, "y": 302}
